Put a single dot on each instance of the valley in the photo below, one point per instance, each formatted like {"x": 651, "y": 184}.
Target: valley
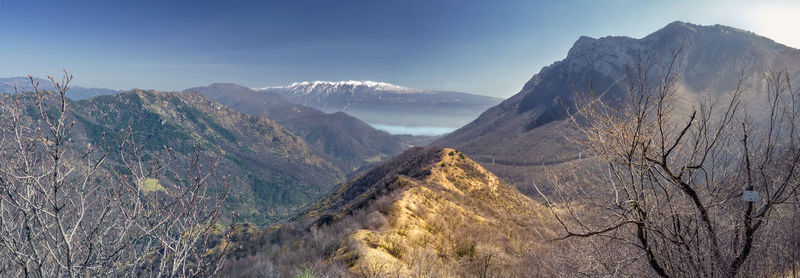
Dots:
{"x": 672, "y": 152}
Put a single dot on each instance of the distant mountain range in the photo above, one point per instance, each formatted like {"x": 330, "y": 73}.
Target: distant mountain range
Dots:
{"x": 434, "y": 208}
{"x": 516, "y": 138}
{"x": 394, "y": 108}
{"x": 23, "y": 84}
{"x": 345, "y": 140}
{"x": 387, "y": 104}
{"x": 305, "y": 154}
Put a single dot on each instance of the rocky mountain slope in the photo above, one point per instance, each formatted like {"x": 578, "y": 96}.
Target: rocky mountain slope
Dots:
{"x": 429, "y": 212}
{"x": 524, "y": 133}
{"x": 272, "y": 172}
{"x": 388, "y": 104}
{"x": 340, "y": 138}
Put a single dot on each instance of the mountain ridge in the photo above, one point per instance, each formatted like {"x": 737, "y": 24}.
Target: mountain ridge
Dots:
{"x": 387, "y": 104}
{"x": 517, "y": 137}
{"x": 308, "y": 86}
{"x": 23, "y": 84}
{"x": 273, "y": 172}
{"x": 428, "y": 212}
{"x": 347, "y": 141}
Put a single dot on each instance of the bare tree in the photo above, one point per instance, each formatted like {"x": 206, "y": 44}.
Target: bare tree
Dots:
{"x": 70, "y": 211}
{"x": 668, "y": 191}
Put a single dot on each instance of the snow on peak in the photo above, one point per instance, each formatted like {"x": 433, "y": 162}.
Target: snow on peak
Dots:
{"x": 352, "y": 83}
{"x": 326, "y": 87}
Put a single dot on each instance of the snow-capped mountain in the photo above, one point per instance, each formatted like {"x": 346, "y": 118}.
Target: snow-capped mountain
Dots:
{"x": 381, "y": 103}
{"x": 329, "y": 87}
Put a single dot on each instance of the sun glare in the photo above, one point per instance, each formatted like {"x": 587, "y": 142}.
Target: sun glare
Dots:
{"x": 776, "y": 22}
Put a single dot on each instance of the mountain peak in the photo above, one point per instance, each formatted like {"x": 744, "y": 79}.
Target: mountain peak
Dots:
{"x": 681, "y": 24}
{"x": 218, "y": 90}
{"x": 712, "y": 59}
{"x": 685, "y": 30}
{"x": 307, "y": 87}
{"x": 583, "y": 42}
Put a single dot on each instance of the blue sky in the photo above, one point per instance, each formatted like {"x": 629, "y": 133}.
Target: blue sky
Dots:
{"x": 485, "y": 47}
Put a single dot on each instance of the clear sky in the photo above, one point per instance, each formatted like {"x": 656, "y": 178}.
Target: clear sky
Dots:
{"x": 488, "y": 47}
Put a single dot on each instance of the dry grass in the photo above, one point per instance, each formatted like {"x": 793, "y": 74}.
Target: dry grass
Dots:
{"x": 152, "y": 185}
{"x": 424, "y": 220}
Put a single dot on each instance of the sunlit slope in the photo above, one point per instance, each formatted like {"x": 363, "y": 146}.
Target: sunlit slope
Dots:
{"x": 437, "y": 212}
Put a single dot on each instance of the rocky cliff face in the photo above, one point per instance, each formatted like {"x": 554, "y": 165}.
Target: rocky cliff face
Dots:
{"x": 525, "y": 132}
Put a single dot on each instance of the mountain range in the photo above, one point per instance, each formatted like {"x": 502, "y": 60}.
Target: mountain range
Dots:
{"x": 387, "y": 104}
{"x": 347, "y": 141}
{"x": 525, "y": 133}
{"x": 23, "y": 84}
{"x": 434, "y": 212}
{"x": 390, "y": 107}
{"x": 272, "y": 171}
{"x": 281, "y": 155}
{"x": 355, "y": 201}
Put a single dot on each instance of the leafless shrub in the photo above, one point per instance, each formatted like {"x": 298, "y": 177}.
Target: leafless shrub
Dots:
{"x": 669, "y": 197}
{"x": 372, "y": 269}
{"x": 423, "y": 262}
{"x": 375, "y": 221}
{"x": 65, "y": 210}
